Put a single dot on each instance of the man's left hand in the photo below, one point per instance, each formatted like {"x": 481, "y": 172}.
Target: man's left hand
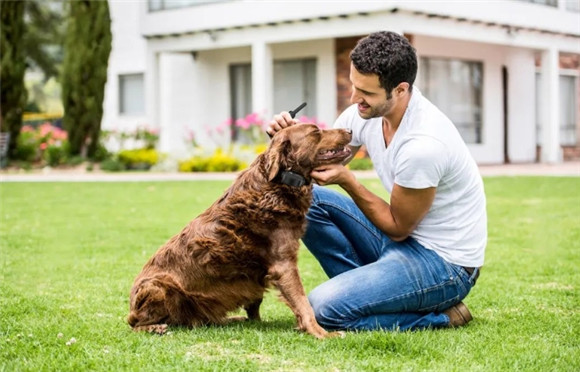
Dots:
{"x": 332, "y": 174}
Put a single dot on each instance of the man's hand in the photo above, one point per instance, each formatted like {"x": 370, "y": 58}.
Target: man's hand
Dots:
{"x": 397, "y": 219}
{"x": 280, "y": 121}
{"x": 332, "y": 174}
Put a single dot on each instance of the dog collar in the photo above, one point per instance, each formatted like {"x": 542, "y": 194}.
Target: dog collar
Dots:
{"x": 292, "y": 179}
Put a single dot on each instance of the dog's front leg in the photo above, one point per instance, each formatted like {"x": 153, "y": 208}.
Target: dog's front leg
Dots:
{"x": 253, "y": 310}
{"x": 285, "y": 277}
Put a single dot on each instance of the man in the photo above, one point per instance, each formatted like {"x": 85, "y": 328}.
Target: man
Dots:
{"x": 406, "y": 264}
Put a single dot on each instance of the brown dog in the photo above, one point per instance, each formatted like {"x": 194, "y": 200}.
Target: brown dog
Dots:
{"x": 248, "y": 239}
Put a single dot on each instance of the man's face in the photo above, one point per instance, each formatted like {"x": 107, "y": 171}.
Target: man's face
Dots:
{"x": 368, "y": 94}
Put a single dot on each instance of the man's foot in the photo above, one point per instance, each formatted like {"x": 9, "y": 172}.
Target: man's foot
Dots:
{"x": 459, "y": 315}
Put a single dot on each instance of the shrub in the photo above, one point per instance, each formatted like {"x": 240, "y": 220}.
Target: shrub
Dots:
{"x": 218, "y": 162}
{"x": 56, "y": 155}
{"x": 360, "y": 164}
{"x": 101, "y": 153}
{"x": 33, "y": 143}
{"x": 26, "y": 147}
{"x": 112, "y": 165}
{"x": 139, "y": 158}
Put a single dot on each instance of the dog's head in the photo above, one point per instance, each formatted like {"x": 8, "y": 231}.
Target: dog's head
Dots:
{"x": 302, "y": 147}
{"x": 157, "y": 300}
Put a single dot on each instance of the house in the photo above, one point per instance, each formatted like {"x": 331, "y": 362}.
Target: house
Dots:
{"x": 506, "y": 72}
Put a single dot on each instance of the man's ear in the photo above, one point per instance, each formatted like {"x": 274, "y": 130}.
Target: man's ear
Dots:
{"x": 402, "y": 88}
{"x": 276, "y": 154}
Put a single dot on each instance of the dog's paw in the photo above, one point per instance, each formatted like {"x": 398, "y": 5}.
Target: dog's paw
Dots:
{"x": 159, "y": 329}
{"x": 235, "y": 319}
{"x": 338, "y": 334}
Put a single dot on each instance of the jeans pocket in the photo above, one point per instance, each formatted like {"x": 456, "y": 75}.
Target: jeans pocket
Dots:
{"x": 449, "y": 291}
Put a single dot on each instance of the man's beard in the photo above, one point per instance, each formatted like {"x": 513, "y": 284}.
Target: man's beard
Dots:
{"x": 377, "y": 111}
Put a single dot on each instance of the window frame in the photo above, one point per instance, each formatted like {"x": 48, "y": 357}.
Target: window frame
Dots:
{"x": 477, "y": 127}
{"x": 122, "y": 111}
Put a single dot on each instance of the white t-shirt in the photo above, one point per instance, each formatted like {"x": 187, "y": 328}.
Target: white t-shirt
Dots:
{"x": 427, "y": 151}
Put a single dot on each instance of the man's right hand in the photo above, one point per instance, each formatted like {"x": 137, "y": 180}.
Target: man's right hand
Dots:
{"x": 279, "y": 122}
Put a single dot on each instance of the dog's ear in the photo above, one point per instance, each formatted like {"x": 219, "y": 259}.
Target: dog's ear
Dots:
{"x": 276, "y": 154}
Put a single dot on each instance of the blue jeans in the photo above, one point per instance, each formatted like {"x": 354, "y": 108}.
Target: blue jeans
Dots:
{"x": 375, "y": 282}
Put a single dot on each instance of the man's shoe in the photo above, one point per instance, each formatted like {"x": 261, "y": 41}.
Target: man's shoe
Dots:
{"x": 459, "y": 315}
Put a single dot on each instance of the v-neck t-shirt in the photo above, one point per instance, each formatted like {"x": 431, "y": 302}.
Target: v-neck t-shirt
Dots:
{"x": 428, "y": 151}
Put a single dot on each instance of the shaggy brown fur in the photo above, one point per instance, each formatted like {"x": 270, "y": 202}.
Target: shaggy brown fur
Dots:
{"x": 248, "y": 239}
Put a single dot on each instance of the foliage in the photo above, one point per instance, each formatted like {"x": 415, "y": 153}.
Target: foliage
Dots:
{"x": 139, "y": 158}
{"x": 112, "y": 165}
{"x": 45, "y": 142}
{"x": 56, "y": 155}
{"x": 247, "y": 130}
{"x": 249, "y": 140}
{"x": 44, "y": 35}
{"x": 12, "y": 68}
{"x": 142, "y": 136}
{"x": 67, "y": 272}
{"x": 26, "y": 147}
{"x": 88, "y": 42}
{"x": 360, "y": 164}
{"x": 250, "y": 129}
{"x": 218, "y": 162}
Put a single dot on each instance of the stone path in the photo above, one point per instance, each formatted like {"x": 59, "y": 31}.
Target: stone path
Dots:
{"x": 51, "y": 175}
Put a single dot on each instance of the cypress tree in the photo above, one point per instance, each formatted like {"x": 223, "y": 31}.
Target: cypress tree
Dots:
{"x": 12, "y": 67}
{"x": 87, "y": 48}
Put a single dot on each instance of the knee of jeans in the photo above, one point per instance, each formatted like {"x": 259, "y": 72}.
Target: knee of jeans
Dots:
{"x": 317, "y": 209}
{"x": 325, "y": 310}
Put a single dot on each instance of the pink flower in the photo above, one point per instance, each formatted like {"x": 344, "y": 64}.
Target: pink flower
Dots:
{"x": 244, "y": 124}
{"x": 254, "y": 118}
{"x": 43, "y": 146}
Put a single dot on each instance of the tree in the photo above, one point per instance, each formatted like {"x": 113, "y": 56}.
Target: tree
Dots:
{"x": 12, "y": 68}
{"x": 44, "y": 34}
{"x": 87, "y": 48}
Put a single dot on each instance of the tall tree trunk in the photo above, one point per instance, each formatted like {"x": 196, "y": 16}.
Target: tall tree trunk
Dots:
{"x": 87, "y": 49}
{"x": 12, "y": 67}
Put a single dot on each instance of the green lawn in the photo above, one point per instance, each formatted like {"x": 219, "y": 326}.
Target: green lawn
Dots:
{"x": 70, "y": 251}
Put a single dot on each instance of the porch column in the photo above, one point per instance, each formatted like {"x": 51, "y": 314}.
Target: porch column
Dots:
{"x": 151, "y": 88}
{"x": 550, "y": 107}
{"x": 262, "y": 80}
{"x": 178, "y": 105}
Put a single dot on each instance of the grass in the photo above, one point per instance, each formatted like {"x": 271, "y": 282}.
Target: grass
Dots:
{"x": 70, "y": 251}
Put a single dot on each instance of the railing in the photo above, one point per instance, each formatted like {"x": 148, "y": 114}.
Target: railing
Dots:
{"x": 35, "y": 119}
{"x": 4, "y": 142}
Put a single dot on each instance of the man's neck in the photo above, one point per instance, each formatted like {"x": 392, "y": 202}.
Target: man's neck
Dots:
{"x": 395, "y": 116}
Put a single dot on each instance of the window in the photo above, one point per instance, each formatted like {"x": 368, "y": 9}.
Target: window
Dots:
{"x": 240, "y": 93}
{"x": 174, "y": 4}
{"x": 456, "y": 88}
{"x": 131, "y": 94}
{"x": 294, "y": 83}
{"x": 568, "y": 113}
{"x": 573, "y": 6}
{"x": 553, "y": 3}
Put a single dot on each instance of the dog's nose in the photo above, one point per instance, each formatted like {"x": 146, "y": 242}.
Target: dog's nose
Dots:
{"x": 348, "y": 130}
{"x": 132, "y": 320}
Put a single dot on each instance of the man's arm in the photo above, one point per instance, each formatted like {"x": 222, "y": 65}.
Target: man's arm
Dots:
{"x": 397, "y": 219}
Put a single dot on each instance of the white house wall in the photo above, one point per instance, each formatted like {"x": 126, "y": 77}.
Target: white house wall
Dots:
{"x": 521, "y": 136}
{"x": 179, "y": 93}
{"x": 183, "y": 91}
{"x": 128, "y": 56}
{"x": 194, "y": 93}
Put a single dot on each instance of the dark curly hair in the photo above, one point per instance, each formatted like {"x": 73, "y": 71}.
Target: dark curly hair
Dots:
{"x": 388, "y": 55}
